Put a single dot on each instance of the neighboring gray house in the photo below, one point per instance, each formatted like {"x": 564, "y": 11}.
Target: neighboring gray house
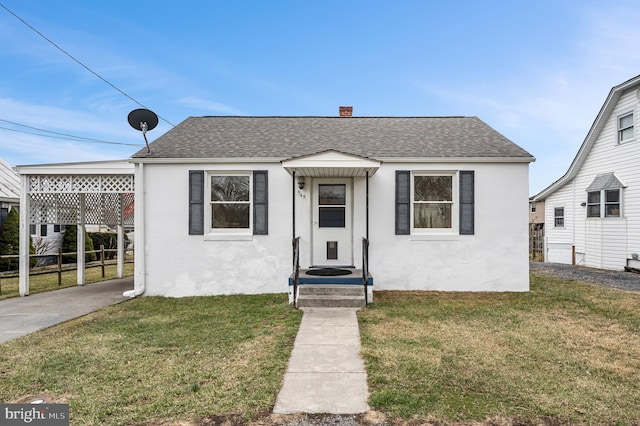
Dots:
{"x": 9, "y": 190}
{"x": 593, "y": 211}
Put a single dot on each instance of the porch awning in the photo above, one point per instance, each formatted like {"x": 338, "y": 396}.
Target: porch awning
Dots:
{"x": 331, "y": 164}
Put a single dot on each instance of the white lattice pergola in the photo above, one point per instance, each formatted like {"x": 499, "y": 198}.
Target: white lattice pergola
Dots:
{"x": 97, "y": 193}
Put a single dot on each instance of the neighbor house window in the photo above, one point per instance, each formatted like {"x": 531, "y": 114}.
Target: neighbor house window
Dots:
{"x": 612, "y": 203}
{"x": 533, "y": 206}
{"x": 558, "y": 217}
{"x": 432, "y": 202}
{"x": 593, "y": 204}
{"x": 230, "y": 201}
{"x": 625, "y": 127}
{"x": 611, "y": 199}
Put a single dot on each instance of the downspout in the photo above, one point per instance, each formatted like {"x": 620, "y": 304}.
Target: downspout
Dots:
{"x": 140, "y": 272}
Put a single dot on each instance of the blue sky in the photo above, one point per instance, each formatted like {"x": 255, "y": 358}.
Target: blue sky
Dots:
{"x": 538, "y": 72}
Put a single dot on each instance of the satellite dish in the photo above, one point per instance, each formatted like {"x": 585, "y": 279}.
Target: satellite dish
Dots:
{"x": 143, "y": 120}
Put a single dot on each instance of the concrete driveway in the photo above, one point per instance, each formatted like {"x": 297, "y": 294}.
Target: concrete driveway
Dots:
{"x": 20, "y": 316}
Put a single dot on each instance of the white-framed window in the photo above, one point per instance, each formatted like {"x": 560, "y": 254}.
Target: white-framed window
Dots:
{"x": 230, "y": 199}
{"x": 593, "y": 204}
{"x": 433, "y": 198}
{"x": 532, "y": 206}
{"x": 231, "y": 205}
{"x": 558, "y": 217}
{"x": 626, "y": 130}
{"x": 435, "y": 204}
{"x": 604, "y": 203}
{"x": 612, "y": 203}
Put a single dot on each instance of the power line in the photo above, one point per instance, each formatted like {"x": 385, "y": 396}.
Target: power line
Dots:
{"x": 80, "y": 63}
{"x": 62, "y": 135}
{"x": 70, "y": 137}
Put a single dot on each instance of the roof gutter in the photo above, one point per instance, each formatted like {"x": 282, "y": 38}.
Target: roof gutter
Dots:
{"x": 229, "y": 160}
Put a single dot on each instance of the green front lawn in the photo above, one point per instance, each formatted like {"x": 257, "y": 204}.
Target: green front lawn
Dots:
{"x": 564, "y": 353}
{"x": 157, "y": 360}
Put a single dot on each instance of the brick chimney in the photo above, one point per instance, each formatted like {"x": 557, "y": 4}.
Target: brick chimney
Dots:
{"x": 346, "y": 111}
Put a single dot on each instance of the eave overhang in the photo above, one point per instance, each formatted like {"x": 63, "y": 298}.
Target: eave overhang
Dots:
{"x": 115, "y": 167}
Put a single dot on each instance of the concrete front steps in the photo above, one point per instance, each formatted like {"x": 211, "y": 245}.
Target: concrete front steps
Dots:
{"x": 330, "y": 296}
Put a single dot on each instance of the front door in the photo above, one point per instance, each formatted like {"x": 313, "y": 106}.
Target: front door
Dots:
{"x": 332, "y": 220}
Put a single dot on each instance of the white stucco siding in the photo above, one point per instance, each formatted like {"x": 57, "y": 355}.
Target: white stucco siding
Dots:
{"x": 179, "y": 264}
{"x": 495, "y": 258}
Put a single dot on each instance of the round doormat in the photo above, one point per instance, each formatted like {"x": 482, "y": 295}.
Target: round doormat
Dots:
{"x": 329, "y": 272}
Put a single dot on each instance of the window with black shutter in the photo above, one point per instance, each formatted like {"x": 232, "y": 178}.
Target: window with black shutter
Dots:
{"x": 425, "y": 202}
{"x": 236, "y": 201}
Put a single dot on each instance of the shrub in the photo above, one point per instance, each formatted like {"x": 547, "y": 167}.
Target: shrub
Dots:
{"x": 10, "y": 242}
{"x": 107, "y": 239}
{"x": 70, "y": 245}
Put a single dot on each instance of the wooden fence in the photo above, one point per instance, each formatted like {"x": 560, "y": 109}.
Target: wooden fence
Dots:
{"x": 59, "y": 267}
{"x": 536, "y": 242}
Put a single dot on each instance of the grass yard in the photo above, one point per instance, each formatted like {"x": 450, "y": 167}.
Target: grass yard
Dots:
{"x": 565, "y": 353}
{"x": 157, "y": 360}
{"x": 46, "y": 282}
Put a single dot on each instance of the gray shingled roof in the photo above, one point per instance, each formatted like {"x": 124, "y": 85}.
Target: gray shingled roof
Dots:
{"x": 373, "y": 137}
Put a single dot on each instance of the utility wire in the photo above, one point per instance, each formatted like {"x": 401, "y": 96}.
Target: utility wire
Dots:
{"x": 70, "y": 137}
{"x": 80, "y": 63}
{"x": 66, "y": 135}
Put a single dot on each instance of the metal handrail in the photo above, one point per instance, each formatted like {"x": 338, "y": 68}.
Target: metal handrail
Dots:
{"x": 365, "y": 267}
{"x": 296, "y": 269}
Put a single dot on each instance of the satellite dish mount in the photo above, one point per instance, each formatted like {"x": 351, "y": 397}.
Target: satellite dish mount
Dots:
{"x": 143, "y": 120}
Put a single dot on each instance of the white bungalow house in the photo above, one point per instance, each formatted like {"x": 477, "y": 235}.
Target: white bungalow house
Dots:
{"x": 423, "y": 203}
{"x": 593, "y": 211}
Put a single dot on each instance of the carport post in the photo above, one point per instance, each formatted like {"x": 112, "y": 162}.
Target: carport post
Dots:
{"x": 23, "y": 263}
{"x": 120, "y": 257}
{"x": 80, "y": 240}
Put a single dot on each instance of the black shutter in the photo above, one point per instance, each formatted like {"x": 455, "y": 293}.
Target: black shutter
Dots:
{"x": 467, "y": 202}
{"x": 196, "y": 202}
{"x": 260, "y": 202}
{"x": 403, "y": 202}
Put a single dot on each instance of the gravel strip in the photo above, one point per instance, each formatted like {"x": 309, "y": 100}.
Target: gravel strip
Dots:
{"x": 613, "y": 279}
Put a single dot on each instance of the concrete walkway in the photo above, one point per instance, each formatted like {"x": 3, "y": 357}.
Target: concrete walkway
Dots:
{"x": 20, "y": 316}
{"x": 325, "y": 372}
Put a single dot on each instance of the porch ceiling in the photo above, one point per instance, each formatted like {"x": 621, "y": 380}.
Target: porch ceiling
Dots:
{"x": 331, "y": 164}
